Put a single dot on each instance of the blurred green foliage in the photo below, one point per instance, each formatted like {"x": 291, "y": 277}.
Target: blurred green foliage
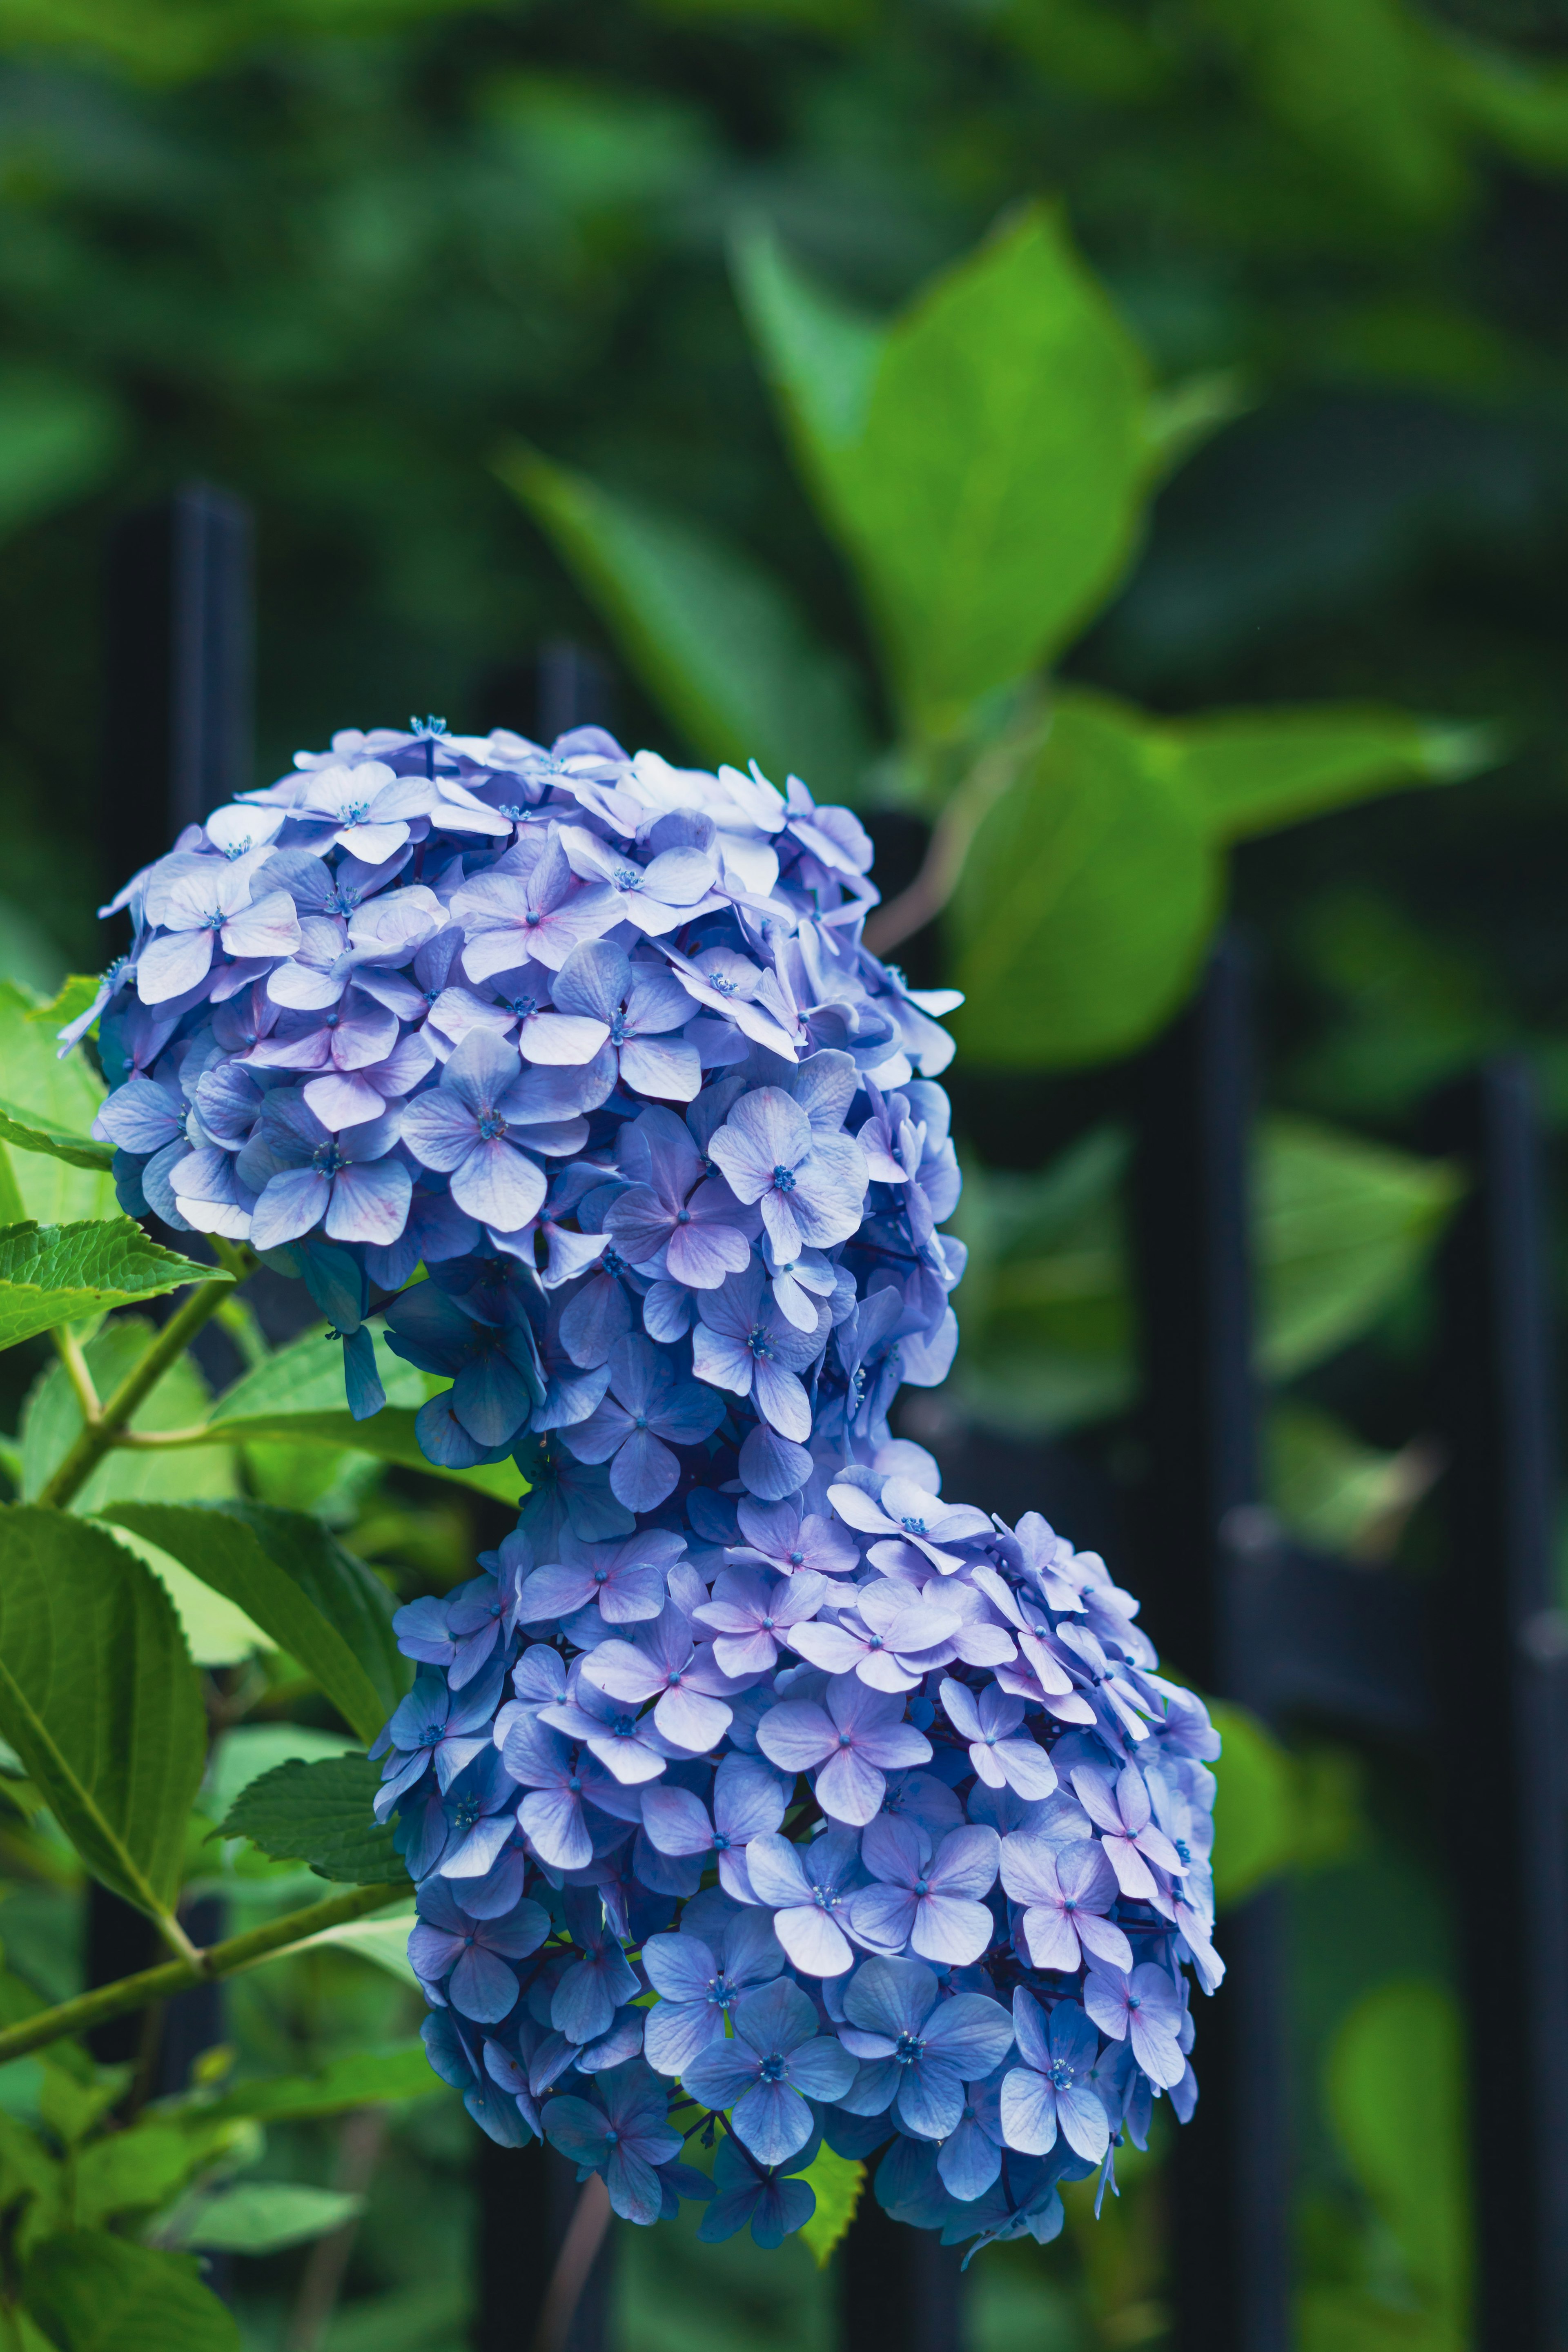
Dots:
{"x": 385, "y": 264}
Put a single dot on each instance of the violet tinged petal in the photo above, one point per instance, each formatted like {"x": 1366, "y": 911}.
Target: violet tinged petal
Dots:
{"x": 644, "y": 1472}
{"x": 498, "y": 1185}
{"x": 848, "y": 1789}
{"x": 773, "y": 2121}
{"x": 678, "y": 2033}
{"x": 723, "y": 2073}
{"x": 951, "y": 1930}
{"x": 1085, "y": 2125}
{"x": 482, "y": 1986}
{"x": 813, "y": 1941}
{"x": 1028, "y": 2112}
{"x": 291, "y": 1205}
{"x": 930, "y": 2099}
{"x": 370, "y": 1203}
{"x": 553, "y": 1821}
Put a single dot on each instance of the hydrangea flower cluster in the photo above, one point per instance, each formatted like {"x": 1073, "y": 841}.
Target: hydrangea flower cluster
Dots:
{"x": 751, "y": 1787}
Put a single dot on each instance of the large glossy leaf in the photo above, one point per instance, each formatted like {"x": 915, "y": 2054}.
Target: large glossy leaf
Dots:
{"x": 1251, "y": 772}
{"x": 90, "y": 2292}
{"x": 294, "y": 1579}
{"x": 992, "y": 496}
{"x": 55, "y": 1098}
{"x": 63, "y": 1273}
{"x": 320, "y": 1814}
{"x": 51, "y": 1422}
{"x": 298, "y": 1395}
{"x": 1341, "y": 1225}
{"x": 98, "y": 1699}
{"x": 714, "y": 637}
{"x": 1086, "y": 900}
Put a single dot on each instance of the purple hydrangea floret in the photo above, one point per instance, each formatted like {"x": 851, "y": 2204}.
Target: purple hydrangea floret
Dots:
{"x": 752, "y": 1787}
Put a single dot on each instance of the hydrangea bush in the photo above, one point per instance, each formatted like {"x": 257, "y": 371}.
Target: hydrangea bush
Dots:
{"x": 750, "y": 1786}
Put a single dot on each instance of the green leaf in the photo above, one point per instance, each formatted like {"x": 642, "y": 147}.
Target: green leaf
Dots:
{"x": 132, "y": 2171}
{"x": 55, "y": 1098}
{"x": 362, "y": 2079}
{"x": 80, "y": 1151}
{"x": 62, "y": 1274}
{"x": 320, "y": 1814}
{"x": 216, "y": 1633}
{"x": 713, "y": 637}
{"x": 1046, "y": 1330}
{"x": 294, "y": 1579}
{"x": 1251, "y": 772}
{"x": 1518, "y": 102}
{"x": 1396, "y": 2095}
{"x": 1278, "y": 1808}
{"x": 98, "y": 1698}
{"x": 820, "y": 357}
{"x": 992, "y": 496}
{"x": 243, "y": 1754}
{"x": 92, "y": 2293}
{"x": 1341, "y": 1227}
{"x": 382, "y": 1941}
{"x": 51, "y": 1423}
{"x": 836, "y": 2181}
{"x": 1085, "y": 903}
{"x": 298, "y": 1395}
{"x": 1350, "y": 82}
{"x": 1336, "y": 1493}
{"x": 261, "y": 2217}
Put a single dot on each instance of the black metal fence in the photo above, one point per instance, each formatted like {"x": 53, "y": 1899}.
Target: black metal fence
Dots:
{"x": 1469, "y": 1670}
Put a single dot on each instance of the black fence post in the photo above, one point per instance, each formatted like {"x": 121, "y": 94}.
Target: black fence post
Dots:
{"x": 178, "y": 633}
{"x": 1502, "y": 1686}
{"x": 1207, "y": 1543}
{"x": 897, "y": 2287}
{"x": 178, "y": 664}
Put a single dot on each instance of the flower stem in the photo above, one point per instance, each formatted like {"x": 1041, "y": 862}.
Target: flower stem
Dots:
{"x": 68, "y": 1349}
{"x": 225, "y": 1959}
{"x": 101, "y": 1430}
{"x": 970, "y": 802}
{"x": 585, "y": 2236}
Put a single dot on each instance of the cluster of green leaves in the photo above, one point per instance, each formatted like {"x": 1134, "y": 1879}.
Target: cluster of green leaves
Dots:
{"x": 130, "y": 1558}
{"x": 98, "y": 2209}
{"x": 984, "y": 462}
{"x": 1342, "y": 1229}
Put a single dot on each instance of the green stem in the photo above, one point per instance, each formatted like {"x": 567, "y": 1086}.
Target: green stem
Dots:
{"x": 225, "y": 1959}
{"x": 102, "y": 1430}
